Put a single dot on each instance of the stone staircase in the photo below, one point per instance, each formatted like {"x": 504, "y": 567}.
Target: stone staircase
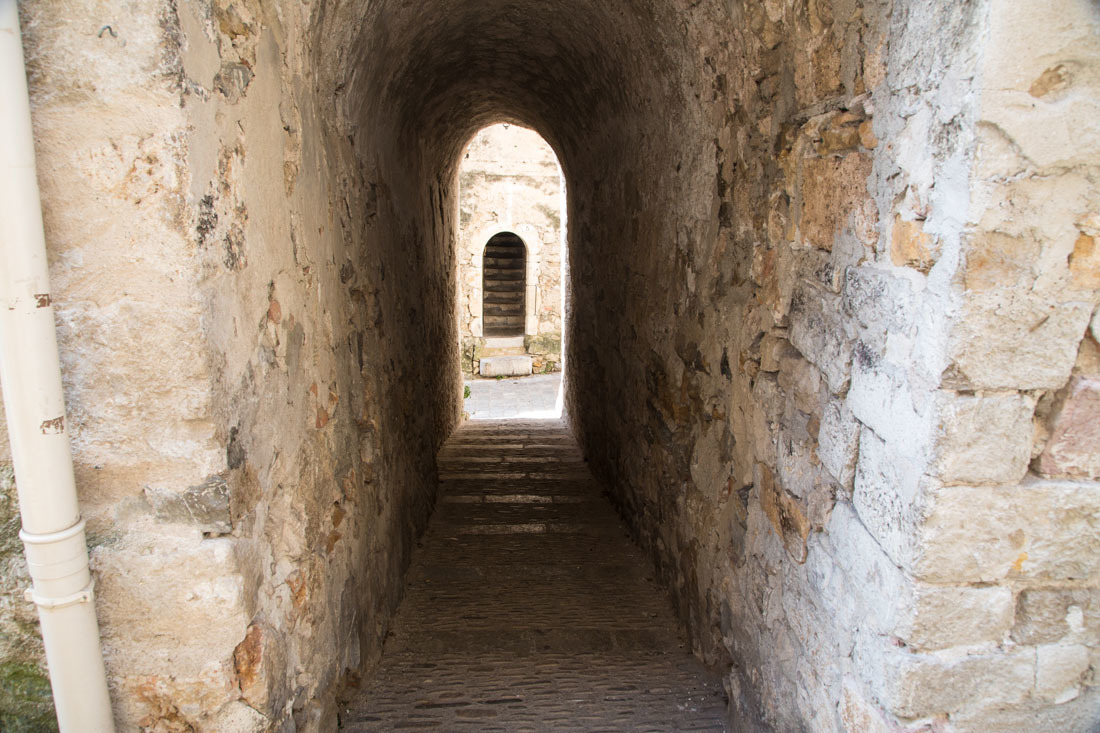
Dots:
{"x": 504, "y": 267}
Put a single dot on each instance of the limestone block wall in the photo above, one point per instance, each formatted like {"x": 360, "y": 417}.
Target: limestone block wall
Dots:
{"x": 241, "y": 322}
{"x": 843, "y": 383}
{"x": 509, "y": 181}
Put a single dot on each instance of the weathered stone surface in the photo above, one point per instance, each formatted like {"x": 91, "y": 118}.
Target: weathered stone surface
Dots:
{"x": 801, "y": 381}
{"x": 913, "y": 685}
{"x": 1074, "y": 445}
{"x": 838, "y": 441}
{"x": 505, "y": 366}
{"x": 772, "y": 349}
{"x": 260, "y": 664}
{"x": 818, "y": 331}
{"x": 887, "y": 494}
{"x": 911, "y": 246}
{"x": 997, "y": 261}
{"x": 1048, "y": 615}
{"x": 786, "y": 515}
{"x": 1059, "y": 669}
{"x": 1038, "y": 530}
{"x": 205, "y": 505}
{"x": 883, "y": 397}
{"x": 983, "y": 439}
{"x": 1016, "y": 343}
{"x": 878, "y": 299}
{"x": 948, "y": 616}
{"x": 835, "y": 198}
{"x": 859, "y": 715}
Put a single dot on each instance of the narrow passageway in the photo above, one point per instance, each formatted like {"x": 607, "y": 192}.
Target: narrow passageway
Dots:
{"x": 528, "y": 608}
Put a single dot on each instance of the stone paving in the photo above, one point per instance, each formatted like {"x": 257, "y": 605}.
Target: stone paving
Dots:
{"x": 527, "y": 608}
{"x": 537, "y": 396}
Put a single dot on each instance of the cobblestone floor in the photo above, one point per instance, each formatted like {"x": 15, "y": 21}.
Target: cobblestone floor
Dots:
{"x": 527, "y": 607}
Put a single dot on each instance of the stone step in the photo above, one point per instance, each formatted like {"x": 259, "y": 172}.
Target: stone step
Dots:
{"x": 504, "y": 253}
{"x": 503, "y": 324}
{"x": 503, "y": 296}
{"x": 509, "y": 310}
{"x": 505, "y": 366}
{"x": 504, "y": 343}
{"x": 503, "y": 263}
{"x": 501, "y": 276}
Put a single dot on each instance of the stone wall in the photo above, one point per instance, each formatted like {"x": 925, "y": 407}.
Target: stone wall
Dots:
{"x": 509, "y": 181}
{"x": 244, "y": 285}
{"x": 846, "y": 391}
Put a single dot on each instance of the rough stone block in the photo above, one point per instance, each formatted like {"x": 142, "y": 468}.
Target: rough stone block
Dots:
{"x": 796, "y": 464}
{"x": 998, "y": 261}
{"x": 881, "y": 397}
{"x": 506, "y": 366}
{"x": 260, "y": 664}
{"x": 1023, "y": 342}
{"x": 1048, "y": 615}
{"x": 1036, "y": 715}
{"x": 786, "y": 516}
{"x": 206, "y": 505}
{"x": 801, "y": 381}
{"x": 1039, "y": 530}
{"x": 911, "y": 246}
{"x": 241, "y": 718}
{"x": 915, "y": 685}
{"x": 168, "y": 583}
{"x": 878, "y": 299}
{"x": 858, "y": 714}
{"x": 838, "y": 441}
{"x": 821, "y": 268}
{"x": 819, "y": 331}
{"x": 1074, "y": 445}
{"x": 874, "y": 593}
{"x": 767, "y": 404}
{"x": 944, "y": 616}
{"x": 984, "y": 438}
{"x": 772, "y": 349}
{"x": 886, "y": 495}
{"x": 1037, "y": 102}
{"x": 835, "y": 198}
{"x": 1059, "y": 669}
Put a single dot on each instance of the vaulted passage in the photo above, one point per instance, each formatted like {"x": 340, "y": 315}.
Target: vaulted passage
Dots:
{"x": 831, "y": 342}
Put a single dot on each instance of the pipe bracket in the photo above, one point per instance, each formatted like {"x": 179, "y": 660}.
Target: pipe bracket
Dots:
{"x": 83, "y": 596}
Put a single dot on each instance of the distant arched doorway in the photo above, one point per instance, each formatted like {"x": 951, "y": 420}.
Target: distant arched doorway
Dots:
{"x": 504, "y": 276}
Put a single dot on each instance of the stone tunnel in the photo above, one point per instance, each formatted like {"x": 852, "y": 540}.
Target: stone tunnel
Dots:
{"x": 831, "y": 336}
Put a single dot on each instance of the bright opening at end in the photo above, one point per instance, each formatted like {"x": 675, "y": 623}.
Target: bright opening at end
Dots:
{"x": 511, "y": 275}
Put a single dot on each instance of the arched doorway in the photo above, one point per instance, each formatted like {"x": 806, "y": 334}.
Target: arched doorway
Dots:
{"x": 504, "y": 284}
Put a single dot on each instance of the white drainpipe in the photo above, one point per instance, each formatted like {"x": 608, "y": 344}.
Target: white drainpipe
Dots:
{"x": 53, "y": 531}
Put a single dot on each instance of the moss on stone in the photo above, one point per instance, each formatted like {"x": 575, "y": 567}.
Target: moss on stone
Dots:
{"x": 546, "y": 343}
{"x": 26, "y": 703}
{"x": 471, "y": 354}
{"x": 551, "y": 214}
